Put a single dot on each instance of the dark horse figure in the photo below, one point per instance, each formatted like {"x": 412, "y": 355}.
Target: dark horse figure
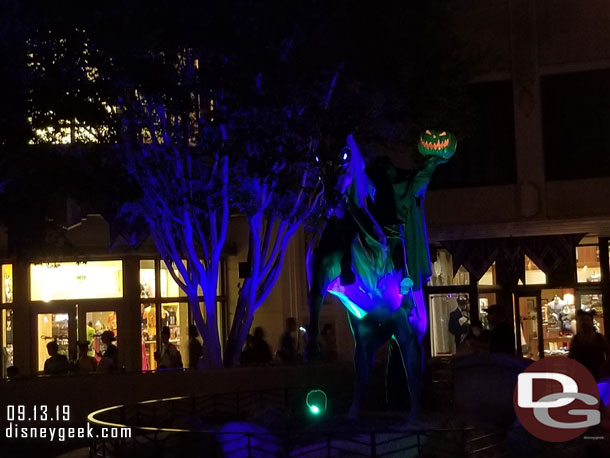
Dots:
{"x": 373, "y": 255}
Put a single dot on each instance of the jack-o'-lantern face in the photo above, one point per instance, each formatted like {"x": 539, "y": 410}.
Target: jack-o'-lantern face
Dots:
{"x": 437, "y": 143}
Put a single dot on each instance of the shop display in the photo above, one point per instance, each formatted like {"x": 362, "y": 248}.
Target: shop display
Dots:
{"x": 593, "y": 302}
{"x": 100, "y": 322}
{"x": 558, "y": 322}
{"x": 7, "y": 339}
{"x": 170, "y": 317}
{"x": 561, "y": 314}
{"x": 149, "y": 336}
{"x": 7, "y": 283}
{"x": 588, "y": 268}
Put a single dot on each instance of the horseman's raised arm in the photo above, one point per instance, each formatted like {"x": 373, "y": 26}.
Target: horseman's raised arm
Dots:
{"x": 437, "y": 147}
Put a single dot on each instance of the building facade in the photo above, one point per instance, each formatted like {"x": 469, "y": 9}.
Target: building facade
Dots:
{"x": 520, "y": 217}
{"x": 528, "y": 223}
{"x": 129, "y": 292}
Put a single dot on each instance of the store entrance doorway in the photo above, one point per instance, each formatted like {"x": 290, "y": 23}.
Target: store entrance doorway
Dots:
{"x": 546, "y": 318}
{"x": 68, "y": 322}
{"x": 529, "y": 331}
{"x": 57, "y": 324}
{"x": 449, "y": 322}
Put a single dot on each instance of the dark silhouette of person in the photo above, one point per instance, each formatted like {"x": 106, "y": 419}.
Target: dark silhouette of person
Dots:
{"x": 56, "y": 364}
{"x": 169, "y": 356}
{"x": 195, "y": 347}
{"x": 110, "y": 358}
{"x": 259, "y": 351}
{"x": 85, "y": 363}
{"x": 287, "y": 351}
{"x": 588, "y": 346}
{"x": 501, "y": 337}
{"x": 12, "y": 372}
{"x": 459, "y": 320}
{"x": 477, "y": 339}
{"x": 244, "y": 358}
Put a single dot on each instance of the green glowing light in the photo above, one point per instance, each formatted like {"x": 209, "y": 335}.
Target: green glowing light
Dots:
{"x": 351, "y": 306}
{"x": 317, "y": 402}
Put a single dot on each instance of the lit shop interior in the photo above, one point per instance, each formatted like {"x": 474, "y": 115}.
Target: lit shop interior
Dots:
{"x": 544, "y": 317}
{"x": 77, "y": 301}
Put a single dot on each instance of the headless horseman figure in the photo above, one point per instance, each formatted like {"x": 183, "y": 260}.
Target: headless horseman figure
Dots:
{"x": 378, "y": 232}
{"x": 398, "y": 209}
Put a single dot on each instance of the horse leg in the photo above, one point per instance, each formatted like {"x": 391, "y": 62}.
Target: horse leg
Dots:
{"x": 314, "y": 301}
{"x": 412, "y": 358}
{"x": 396, "y": 387}
{"x": 367, "y": 342}
{"x": 323, "y": 266}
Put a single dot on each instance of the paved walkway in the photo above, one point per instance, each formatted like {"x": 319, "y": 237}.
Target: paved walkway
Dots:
{"x": 78, "y": 453}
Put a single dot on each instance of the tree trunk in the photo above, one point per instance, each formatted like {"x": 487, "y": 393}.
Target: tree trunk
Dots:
{"x": 241, "y": 325}
{"x": 211, "y": 345}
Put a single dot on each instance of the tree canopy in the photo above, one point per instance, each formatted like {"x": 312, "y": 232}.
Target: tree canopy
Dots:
{"x": 202, "y": 109}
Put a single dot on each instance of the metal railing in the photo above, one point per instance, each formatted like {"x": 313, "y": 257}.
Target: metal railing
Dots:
{"x": 215, "y": 426}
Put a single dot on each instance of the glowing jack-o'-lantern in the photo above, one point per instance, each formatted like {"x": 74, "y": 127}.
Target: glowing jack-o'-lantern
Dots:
{"x": 437, "y": 143}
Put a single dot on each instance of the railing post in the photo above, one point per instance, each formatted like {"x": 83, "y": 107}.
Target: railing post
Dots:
{"x": 328, "y": 448}
{"x": 249, "y": 445}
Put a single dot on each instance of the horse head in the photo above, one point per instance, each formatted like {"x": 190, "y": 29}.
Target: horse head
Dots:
{"x": 341, "y": 171}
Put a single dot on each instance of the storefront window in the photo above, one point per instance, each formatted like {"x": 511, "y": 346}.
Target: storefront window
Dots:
{"x": 175, "y": 317}
{"x": 149, "y": 336}
{"x": 71, "y": 280}
{"x": 7, "y": 339}
{"x": 443, "y": 274}
{"x": 485, "y": 300}
{"x": 528, "y": 311}
{"x": 587, "y": 264}
{"x": 558, "y": 320}
{"x": 7, "y": 283}
{"x": 97, "y": 323}
{"x": 533, "y": 274}
{"x": 147, "y": 279}
{"x": 52, "y": 326}
{"x": 593, "y": 302}
{"x": 169, "y": 288}
{"x": 489, "y": 278}
{"x": 449, "y": 322}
